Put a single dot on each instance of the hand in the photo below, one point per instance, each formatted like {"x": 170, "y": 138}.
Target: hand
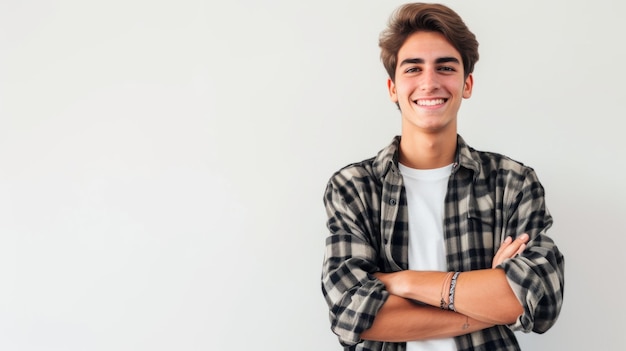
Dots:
{"x": 510, "y": 248}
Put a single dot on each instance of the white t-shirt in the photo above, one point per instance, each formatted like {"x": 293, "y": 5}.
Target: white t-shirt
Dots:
{"x": 426, "y": 191}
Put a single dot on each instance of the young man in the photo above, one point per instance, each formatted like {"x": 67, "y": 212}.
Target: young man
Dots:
{"x": 434, "y": 245}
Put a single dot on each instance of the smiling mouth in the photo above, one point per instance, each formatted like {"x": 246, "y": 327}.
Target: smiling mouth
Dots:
{"x": 431, "y": 102}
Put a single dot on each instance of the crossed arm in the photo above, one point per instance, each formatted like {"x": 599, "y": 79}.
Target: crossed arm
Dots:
{"x": 483, "y": 298}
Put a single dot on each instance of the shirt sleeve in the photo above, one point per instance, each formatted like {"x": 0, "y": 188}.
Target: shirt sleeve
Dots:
{"x": 352, "y": 293}
{"x": 537, "y": 275}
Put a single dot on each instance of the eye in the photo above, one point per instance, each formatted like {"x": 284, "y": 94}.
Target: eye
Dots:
{"x": 411, "y": 70}
{"x": 447, "y": 69}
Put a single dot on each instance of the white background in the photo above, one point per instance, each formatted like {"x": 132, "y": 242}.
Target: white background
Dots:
{"x": 162, "y": 163}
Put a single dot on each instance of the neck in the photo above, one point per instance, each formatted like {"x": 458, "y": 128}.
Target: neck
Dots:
{"x": 427, "y": 151}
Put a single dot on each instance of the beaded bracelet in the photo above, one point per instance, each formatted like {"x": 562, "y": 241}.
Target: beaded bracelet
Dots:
{"x": 452, "y": 290}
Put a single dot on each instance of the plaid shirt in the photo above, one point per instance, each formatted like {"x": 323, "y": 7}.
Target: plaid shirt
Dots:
{"x": 489, "y": 197}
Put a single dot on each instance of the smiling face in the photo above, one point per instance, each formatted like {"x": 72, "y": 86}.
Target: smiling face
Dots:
{"x": 429, "y": 84}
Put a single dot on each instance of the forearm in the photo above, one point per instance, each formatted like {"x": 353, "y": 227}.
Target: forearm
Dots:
{"x": 402, "y": 320}
{"x": 486, "y": 295}
{"x": 482, "y": 294}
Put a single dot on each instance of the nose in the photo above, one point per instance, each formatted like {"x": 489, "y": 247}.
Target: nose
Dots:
{"x": 429, "y": 81}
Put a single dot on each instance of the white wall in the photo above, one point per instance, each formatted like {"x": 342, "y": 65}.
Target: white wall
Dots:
{"x": 162, "y": 163}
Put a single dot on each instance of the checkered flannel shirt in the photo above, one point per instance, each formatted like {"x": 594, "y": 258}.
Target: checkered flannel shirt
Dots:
{"x": 489, "y": 197}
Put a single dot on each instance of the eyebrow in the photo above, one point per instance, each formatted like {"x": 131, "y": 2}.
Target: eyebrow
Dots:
{"x": 439, "y": 60}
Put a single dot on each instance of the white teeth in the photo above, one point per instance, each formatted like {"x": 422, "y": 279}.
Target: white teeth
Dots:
{"x": 430, "y": 102}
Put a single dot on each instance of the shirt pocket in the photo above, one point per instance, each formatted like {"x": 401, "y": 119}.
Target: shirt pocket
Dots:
{"x": 483, "y": 237}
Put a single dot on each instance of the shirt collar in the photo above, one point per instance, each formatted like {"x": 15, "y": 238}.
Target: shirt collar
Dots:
{"x": 387, "y": 158}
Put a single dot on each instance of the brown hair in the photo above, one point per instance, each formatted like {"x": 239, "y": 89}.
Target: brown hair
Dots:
{"x": 411, "y": 18}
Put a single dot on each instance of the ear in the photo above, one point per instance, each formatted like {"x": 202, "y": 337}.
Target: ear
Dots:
{"x": 391, "y": 87}
{"x": 467, "y": 88}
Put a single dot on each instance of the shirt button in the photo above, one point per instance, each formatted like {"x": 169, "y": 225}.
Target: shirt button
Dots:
{"x": 392, "y": 202}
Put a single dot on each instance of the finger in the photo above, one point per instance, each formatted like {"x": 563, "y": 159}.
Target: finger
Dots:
{"x": 522, "y": 240}
{"x": 521, "y": 249}
{"x": 516, "y": 245}
{"x": 507, "y": 241}
{"x": 510, "y": 248}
